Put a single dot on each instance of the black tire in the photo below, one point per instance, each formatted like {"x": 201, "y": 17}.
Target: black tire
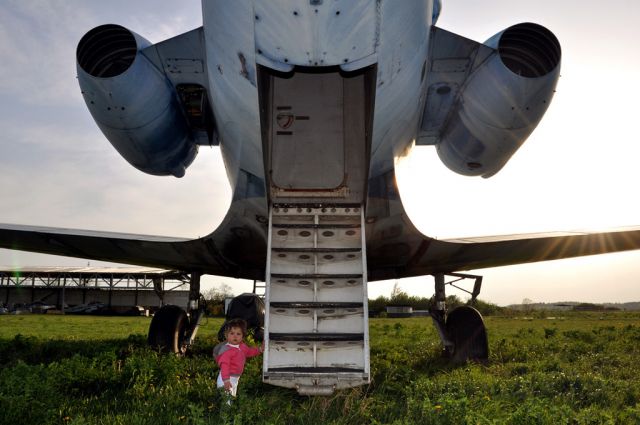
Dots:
{"x": 168, "y": 328}
{"x": 466, "y": 330}
{"x": 258, "y": 334}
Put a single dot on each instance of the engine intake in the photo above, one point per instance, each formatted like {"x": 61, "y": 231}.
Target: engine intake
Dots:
{"x": 133, "y": 102}
{"x": 529, "y": 50}
{"x": 503, "y": 101}
{"x": 107, "y": 51}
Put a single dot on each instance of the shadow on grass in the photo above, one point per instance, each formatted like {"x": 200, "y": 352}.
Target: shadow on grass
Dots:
{"x": 33, "y": 350}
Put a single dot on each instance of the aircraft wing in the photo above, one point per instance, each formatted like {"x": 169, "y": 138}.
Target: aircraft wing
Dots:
{"x": 104, "y": 246}
{"x": 451, "y": 255}
{"x": 217, "y": 254}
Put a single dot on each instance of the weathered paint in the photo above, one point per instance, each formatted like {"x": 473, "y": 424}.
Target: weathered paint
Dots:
{"x": 282, "y": 33}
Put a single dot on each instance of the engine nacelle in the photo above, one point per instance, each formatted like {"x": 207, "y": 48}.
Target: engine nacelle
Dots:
{"x": 132, "y": 102}
{"x": 503, "y": 101}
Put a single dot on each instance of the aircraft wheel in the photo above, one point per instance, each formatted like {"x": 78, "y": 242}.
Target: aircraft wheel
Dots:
{"x": 258, "y": 334}
{"x": 466, "y": 329}
{"x": 168, "y": 328}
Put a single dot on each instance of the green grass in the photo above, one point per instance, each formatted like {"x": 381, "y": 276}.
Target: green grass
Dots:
{"x": 576, "y": 369}
{"x": 53, "y": 326}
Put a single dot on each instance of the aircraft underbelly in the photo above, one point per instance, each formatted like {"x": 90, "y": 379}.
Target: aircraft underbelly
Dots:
{"x": 308, "y": 132}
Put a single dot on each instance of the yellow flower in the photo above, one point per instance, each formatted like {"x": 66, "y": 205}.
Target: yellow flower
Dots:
{"x": 438, "y": 407}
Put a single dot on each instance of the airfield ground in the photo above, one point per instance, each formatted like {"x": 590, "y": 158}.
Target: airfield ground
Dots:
{"x": 575, "y": 369}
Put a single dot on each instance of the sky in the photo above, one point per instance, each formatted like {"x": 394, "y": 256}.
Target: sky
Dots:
{"x": 578, "y": 170}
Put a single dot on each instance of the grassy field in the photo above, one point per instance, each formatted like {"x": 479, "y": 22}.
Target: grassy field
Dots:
{"x": 576, "y": 369}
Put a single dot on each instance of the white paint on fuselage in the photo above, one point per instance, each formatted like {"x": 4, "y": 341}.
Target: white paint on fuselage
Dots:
{"x": 229, "y": 32}
{"x": 325, "y": 34}
{"x": 395, "y": 34}
{"x": 400, "y": 90}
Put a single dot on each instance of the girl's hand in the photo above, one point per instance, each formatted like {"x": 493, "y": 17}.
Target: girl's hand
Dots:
{"x": 227, "y": 385}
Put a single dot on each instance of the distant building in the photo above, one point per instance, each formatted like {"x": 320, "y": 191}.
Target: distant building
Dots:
{"x": 399, "y": 311}
{"x": 114, "y": 287}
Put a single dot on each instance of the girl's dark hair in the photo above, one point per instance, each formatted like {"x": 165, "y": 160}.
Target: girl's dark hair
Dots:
{"x": 236, "y": 323}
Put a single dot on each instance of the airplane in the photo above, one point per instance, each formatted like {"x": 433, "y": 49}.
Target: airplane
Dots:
{"x": 311, "y": 103}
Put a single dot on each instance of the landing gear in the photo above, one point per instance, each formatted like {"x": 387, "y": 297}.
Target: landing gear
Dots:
{"x": 465, "y": 328}
{"x": 172, "y": 329}
{"x": 462, "y": 332}
{"x": 168, "y": 328}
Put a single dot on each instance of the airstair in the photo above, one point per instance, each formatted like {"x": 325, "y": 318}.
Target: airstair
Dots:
{"x": 316, "y": 325}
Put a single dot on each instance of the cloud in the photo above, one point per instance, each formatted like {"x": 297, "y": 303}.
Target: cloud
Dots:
{"x": 58, "y": 169}
{"x": 101, "y": 191}
{"x": 38, "y": 39}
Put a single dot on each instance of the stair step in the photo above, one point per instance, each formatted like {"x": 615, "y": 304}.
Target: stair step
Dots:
{"x": 301, "y": 346}
{"x": 307, "y": 256}
{"x": 316, "y": 250}
{"x": 328, "y": 289}
{"x": 314, "y": 206}
{"x": 315, "y": 276}
{"x": 314, "y": 226}
{"x": 307, "y": 370}
{"x": 315, "y": 337}
{"x": 315, "y": 305}
{"x": 316, "y": 327}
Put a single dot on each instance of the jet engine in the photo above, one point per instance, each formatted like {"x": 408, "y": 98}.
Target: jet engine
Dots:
{"x": 132, "y": 101}
{"x": 502, "y": 101}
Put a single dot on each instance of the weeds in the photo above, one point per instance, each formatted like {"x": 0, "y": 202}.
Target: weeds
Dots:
{"x": 579, "y": 370}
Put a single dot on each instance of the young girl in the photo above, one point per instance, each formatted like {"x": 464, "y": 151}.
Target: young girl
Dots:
{"x": 231, "y": 355}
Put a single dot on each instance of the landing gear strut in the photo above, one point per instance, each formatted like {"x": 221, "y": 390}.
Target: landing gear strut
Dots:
{"x": 174, "y": 330}
{"x": 462, "y": 332}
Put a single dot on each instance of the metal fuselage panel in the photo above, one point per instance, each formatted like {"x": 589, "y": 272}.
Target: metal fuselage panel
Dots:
{"x": 385, "y": 42}
{"x": 237, "y": 38}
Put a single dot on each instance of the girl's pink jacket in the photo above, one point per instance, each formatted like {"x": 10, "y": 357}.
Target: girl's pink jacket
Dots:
{"x": 231, "y": 358}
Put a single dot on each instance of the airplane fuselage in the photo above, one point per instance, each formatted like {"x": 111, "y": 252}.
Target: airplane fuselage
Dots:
{"x": 312, "y": 103}
{"x": 246, "y": 39}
